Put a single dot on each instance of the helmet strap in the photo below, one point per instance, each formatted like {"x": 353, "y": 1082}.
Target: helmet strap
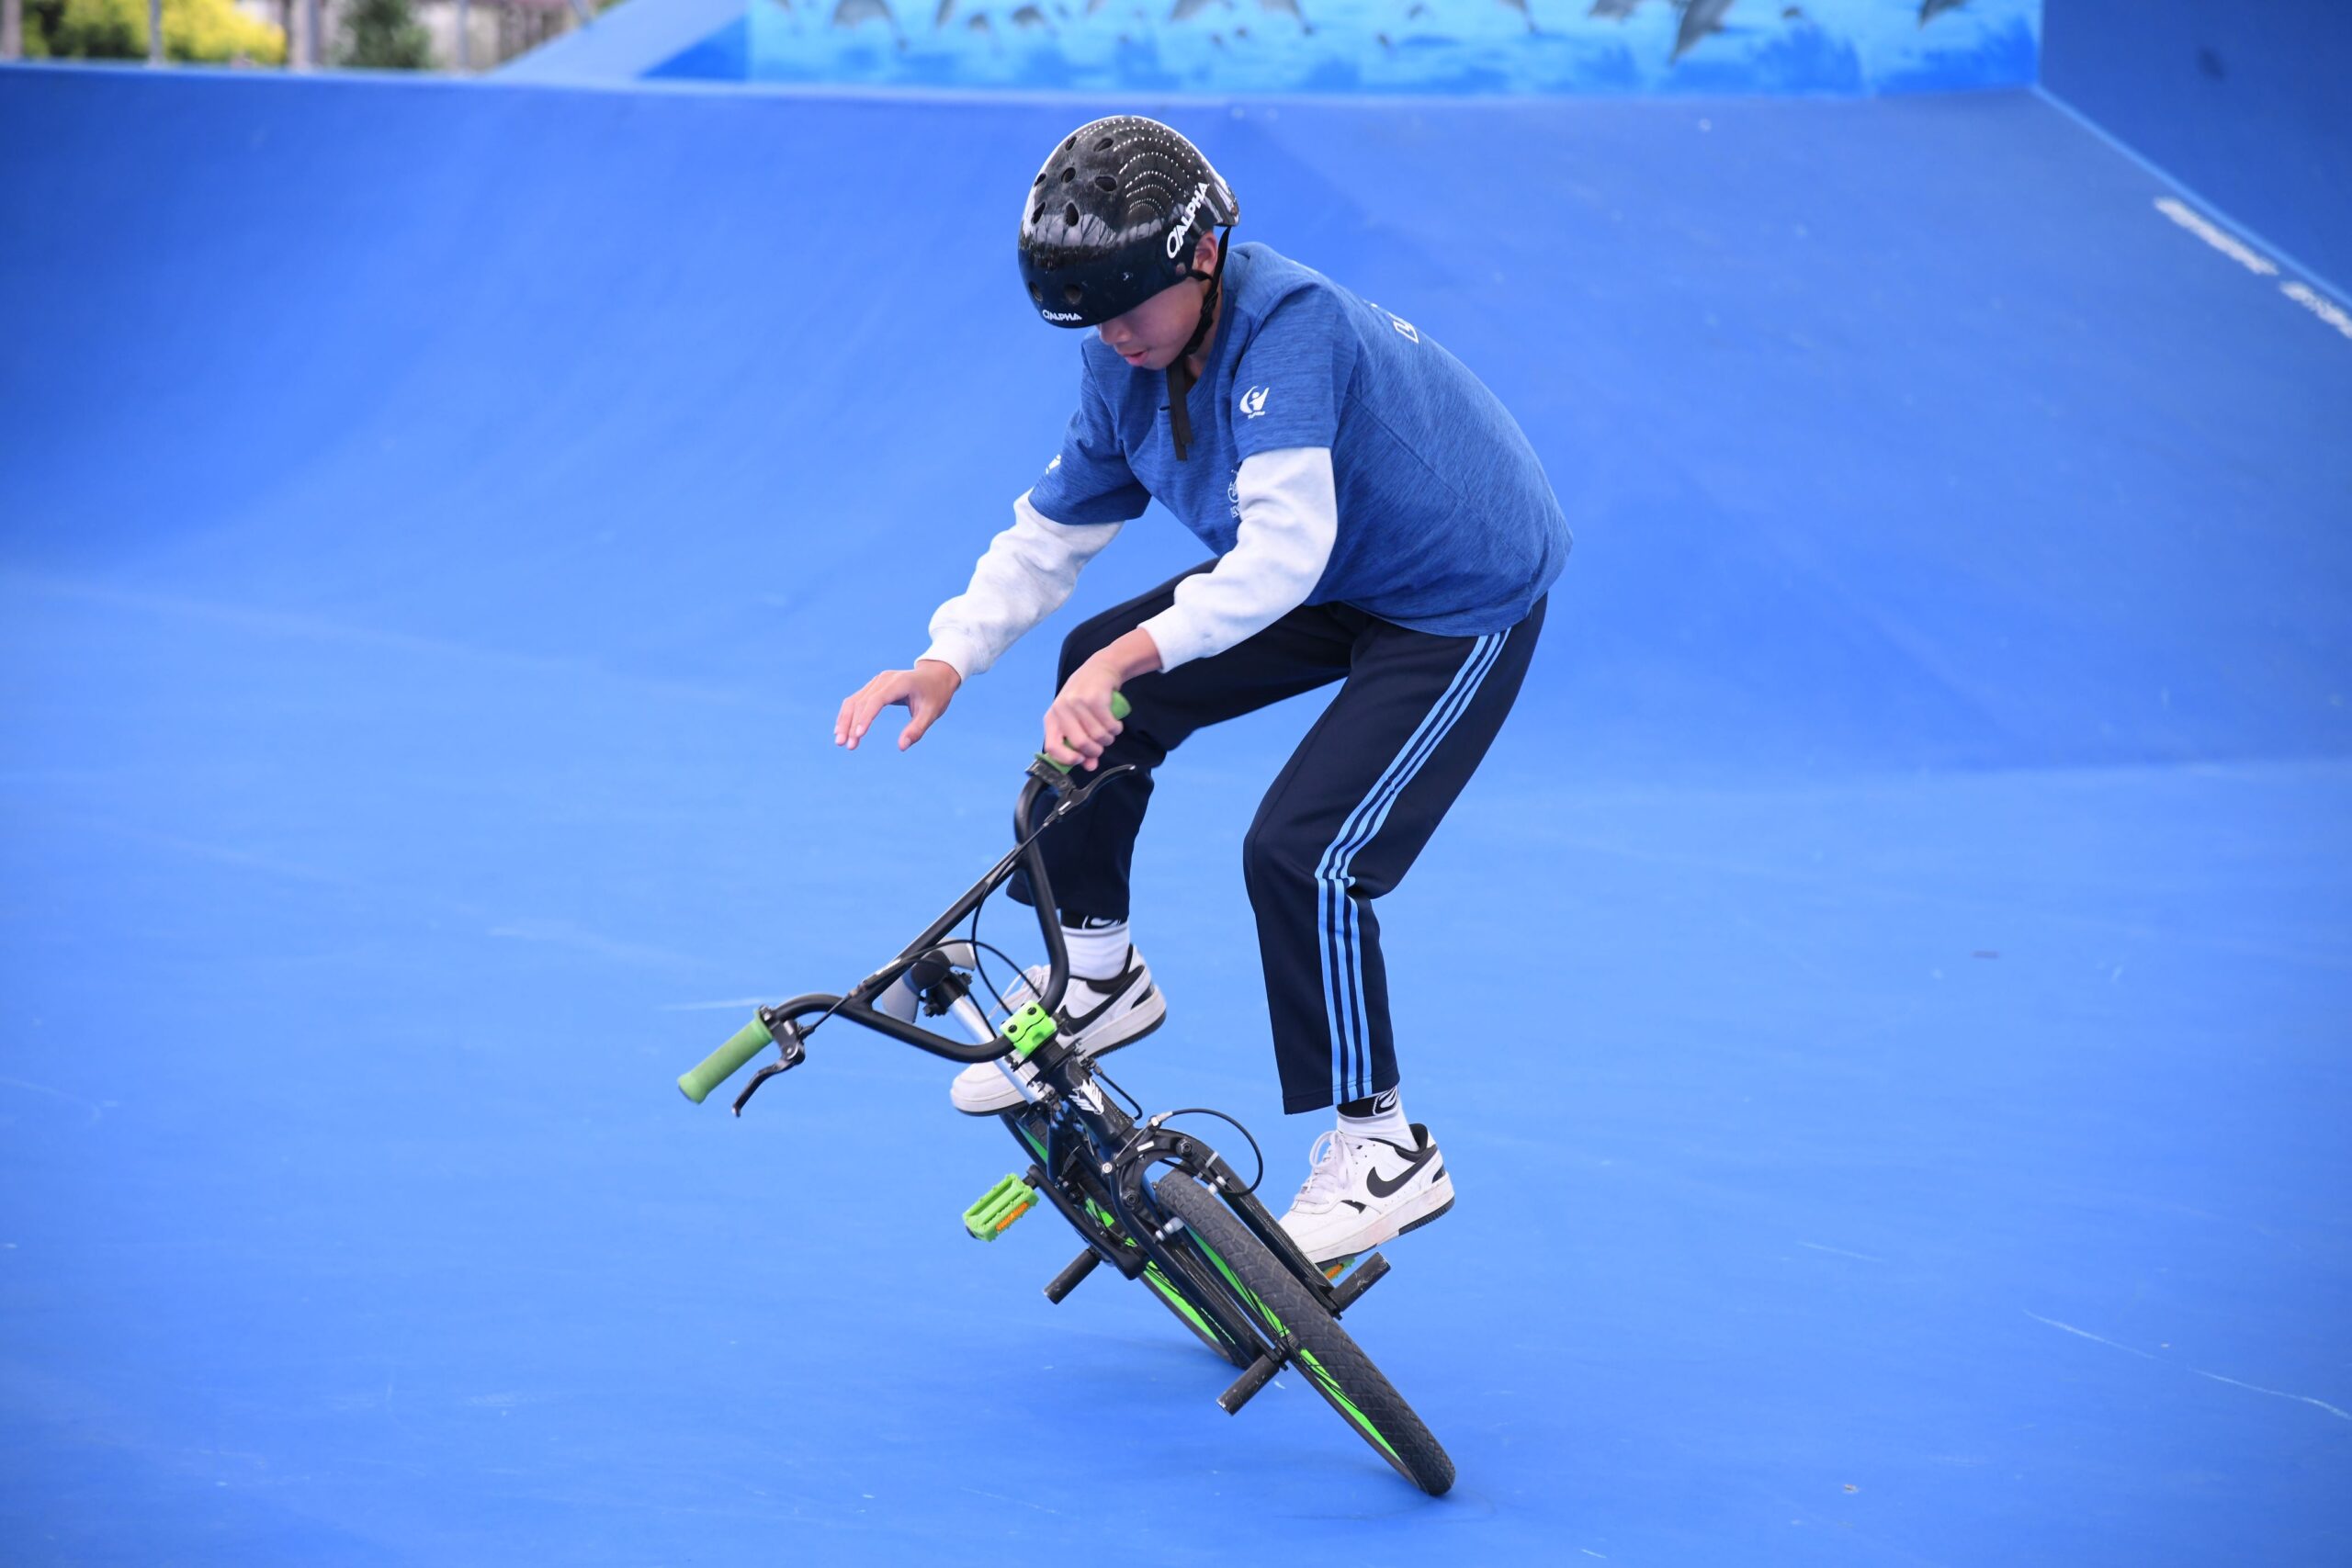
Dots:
{"x": 1180, "y": 373}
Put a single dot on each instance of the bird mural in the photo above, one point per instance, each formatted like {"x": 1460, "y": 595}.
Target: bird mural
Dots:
{"x": 1700, "y": 18}
{"x": 1447, "y": 45}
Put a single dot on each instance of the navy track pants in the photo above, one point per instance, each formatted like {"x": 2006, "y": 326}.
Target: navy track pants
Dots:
{"x": 1339, "y": 826}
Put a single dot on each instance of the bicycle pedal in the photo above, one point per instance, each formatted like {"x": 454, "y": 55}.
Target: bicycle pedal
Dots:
{"x": 998, "y": 1207}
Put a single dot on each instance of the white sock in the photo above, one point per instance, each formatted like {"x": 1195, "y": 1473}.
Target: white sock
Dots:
{"x": 1097, "y": 952}
{"x": 1387, "y": 1120}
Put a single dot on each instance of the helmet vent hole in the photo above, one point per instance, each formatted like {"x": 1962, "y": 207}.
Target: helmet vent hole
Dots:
{"x": 1072, "y": 146}
{"x": 1072, "y": 293}
{"x": 1038, "y": 216}
{"x": 1038, "y": 181}
{"x": 1103, "y": 145}
{"x": 1037, "y": 294}
{"x": 1069, "y": 215}
{"x": 1069, "y": 175}
{"x": 1105, "y": 182}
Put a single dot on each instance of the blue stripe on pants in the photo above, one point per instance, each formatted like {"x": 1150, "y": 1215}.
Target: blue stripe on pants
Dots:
{"x": 1338, "y": 933}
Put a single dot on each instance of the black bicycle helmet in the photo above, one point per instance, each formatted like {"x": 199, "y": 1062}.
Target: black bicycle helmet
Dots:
{"x": 1112, "y": 219}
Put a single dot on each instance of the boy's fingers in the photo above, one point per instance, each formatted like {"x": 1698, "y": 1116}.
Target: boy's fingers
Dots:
{"x": 1075, "y": 731}
{"x": 863, "y": 720}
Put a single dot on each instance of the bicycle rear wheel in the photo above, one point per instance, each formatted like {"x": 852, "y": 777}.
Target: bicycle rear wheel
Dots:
{"x": 1171, "y": 1293}
{"x": 1172, "y": 1296}
{"x": 1231, "y": 1259}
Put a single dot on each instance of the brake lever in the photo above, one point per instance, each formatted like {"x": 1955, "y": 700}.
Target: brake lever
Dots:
{"x": 791, "y": 1055}
{"x": 1069, "y": 790}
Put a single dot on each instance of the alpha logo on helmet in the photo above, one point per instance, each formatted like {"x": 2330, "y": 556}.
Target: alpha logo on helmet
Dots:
{"x": 1184, "y": 217}
{"x": 1253, "y": 401}
{"x": 1061, "y": 315}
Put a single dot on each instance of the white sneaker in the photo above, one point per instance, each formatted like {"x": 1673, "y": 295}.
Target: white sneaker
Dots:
{"x": 1096, "y": 1015}
{"x": 1365, "y": 1191}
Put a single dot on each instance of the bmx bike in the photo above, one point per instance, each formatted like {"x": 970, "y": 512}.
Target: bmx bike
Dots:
{"x": 1197, "y": 1239}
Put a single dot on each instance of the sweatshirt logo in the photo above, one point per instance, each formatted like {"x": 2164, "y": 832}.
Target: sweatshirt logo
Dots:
{"x": 1253, "y": 401}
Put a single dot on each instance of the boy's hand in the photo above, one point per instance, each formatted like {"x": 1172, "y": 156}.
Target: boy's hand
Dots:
{"x": 924, "y": 692}
{"x": 1078, "y": 726}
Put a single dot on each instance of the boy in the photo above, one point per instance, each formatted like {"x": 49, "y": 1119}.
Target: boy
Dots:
{"x": 1378, "y": 520}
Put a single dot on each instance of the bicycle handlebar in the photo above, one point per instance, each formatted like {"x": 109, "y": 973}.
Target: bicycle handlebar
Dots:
{"x": 754, "y": 1037}
{"x": 720, "y": 1064}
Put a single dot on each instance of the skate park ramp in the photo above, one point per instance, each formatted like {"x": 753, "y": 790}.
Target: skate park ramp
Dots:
{"x": 1883, "y": 1000}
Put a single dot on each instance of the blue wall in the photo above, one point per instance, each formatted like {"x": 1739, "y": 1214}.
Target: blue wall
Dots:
{"x": 1764, "y": 354}
{"x": 2248, "y": 101}
{"x": 1896, "y": 960}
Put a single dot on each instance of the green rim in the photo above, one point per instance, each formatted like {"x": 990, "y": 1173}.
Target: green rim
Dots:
{"x": 1202, "y": 1324}
{"x": 1338, "y": 1396}
{"x": 1330, "y": 1385}
{"x": 1175, "y": 1298}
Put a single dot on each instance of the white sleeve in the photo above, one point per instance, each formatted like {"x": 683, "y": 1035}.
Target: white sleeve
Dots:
{"x": 1290, "y": 515}
{"x": 1027, "y": 572}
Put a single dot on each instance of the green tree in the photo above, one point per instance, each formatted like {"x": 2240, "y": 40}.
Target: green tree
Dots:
{"x": 209, "y": 31}
{"x": 384, "y": 35}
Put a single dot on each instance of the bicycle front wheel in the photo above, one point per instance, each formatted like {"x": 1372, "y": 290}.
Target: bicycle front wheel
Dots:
{"x": 1231, "y": 1260}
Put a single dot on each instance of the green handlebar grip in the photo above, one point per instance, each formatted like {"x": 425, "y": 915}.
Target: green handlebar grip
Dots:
{"x": 1119, "y": 710}
{"x": 720, "y": 1064}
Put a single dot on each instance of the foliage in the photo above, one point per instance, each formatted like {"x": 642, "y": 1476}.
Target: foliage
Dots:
{"x": 384, "y": 35}
{"x": 206, "y": 31}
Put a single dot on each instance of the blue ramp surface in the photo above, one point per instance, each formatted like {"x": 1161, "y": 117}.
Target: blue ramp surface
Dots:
{"x": 1883, "y": 1000}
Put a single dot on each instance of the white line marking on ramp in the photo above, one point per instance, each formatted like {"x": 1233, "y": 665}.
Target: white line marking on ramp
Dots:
{"x": 2148, "y": 1355}
{"x": 2275, "y": 1394}
{"x": 2212, "y": 235}
{"x": 2319, "y": 305}
{"x": 1841, "y": 1252}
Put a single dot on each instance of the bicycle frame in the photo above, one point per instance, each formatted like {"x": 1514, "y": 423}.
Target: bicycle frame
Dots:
{"x": 1092, "y": 1160}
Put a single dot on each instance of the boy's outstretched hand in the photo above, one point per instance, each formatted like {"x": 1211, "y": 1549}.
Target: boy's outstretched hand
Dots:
{"x": 924, "y": 692}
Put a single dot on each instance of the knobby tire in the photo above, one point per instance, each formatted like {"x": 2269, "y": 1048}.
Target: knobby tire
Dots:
{"x": 1319, "y": 1349}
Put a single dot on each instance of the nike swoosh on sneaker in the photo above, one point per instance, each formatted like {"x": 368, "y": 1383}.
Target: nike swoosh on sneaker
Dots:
{"x": 1074, "y": 1024}
{"x": 1390, "y": 1188}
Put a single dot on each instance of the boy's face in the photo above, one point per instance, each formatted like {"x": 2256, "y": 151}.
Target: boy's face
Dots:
{"x": 1150, "y": 337}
